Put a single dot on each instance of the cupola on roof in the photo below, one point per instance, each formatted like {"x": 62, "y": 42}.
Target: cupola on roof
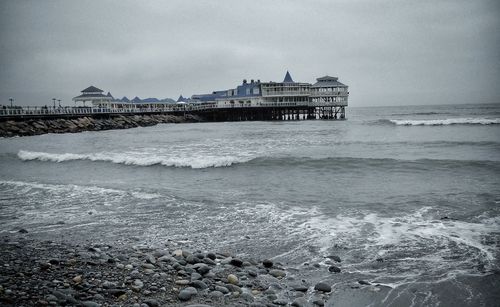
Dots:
{"x": 92, "y": 89}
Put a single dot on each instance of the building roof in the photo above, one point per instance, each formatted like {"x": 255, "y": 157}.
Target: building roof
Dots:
{"x": 136, "y": 100}
{"x": 151, "y": 99}
{"x": 328, "y": 81}
{"x": 92, "y": 89}
{"x": 181, "y": 99}
{"x": 125, "y": 99}
{"x": 288, "y": 78}
{"x": 327, "y": 78}
{"x": 92, "y": 96}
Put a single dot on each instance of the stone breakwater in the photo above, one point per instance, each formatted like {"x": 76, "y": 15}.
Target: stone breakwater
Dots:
{"x": 41, "y": 126}
{"x": 42, "y": 273}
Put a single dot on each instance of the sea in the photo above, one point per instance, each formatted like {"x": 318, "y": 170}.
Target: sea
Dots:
{"x": 408, "y": 197}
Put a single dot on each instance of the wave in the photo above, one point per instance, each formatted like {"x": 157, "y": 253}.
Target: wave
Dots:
{"x": 421, "y": 113}
{"x": 77, "y": 189}
{"x": 141, "y": 160}
{"x": 441, "y": 122}
{"x": 201, "y": 162}
{"x": 421, "y": 238}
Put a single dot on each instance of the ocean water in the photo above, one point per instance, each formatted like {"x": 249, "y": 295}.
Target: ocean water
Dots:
{"x": 408, "y": 197}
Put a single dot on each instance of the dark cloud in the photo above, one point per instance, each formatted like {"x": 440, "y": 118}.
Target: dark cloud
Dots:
{"x": 389, "y": 52}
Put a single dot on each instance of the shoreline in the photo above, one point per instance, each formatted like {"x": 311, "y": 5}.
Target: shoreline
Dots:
{"x": 49, "y": 273}
{"x": 32, "y": 127}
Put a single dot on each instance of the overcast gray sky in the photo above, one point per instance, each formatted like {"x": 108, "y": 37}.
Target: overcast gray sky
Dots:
{"x": 388, "y": 52}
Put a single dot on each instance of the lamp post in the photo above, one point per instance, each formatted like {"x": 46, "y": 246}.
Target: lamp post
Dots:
{"x": 54, "y": 101}
{"x": 59, "y": 101}
{"x": 11, "y": 100}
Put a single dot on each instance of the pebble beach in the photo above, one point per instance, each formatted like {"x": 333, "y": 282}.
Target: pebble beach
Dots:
{"x": 50, "y": 273}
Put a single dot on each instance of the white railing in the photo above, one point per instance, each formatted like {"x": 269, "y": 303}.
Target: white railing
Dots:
{"x": 27, "y": 111}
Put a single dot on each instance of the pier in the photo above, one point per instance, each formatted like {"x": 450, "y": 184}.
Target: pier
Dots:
{"x": 207, "y": 112}
{"x": 250, "y": 101}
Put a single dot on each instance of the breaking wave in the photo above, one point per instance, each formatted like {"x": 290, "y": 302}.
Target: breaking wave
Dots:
{"x": 201, "y": 162}
{"x": 442, "y": 122}
{"x": 137, "y": 160}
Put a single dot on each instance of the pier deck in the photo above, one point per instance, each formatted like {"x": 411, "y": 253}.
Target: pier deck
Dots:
{"x": 208, "y": 112}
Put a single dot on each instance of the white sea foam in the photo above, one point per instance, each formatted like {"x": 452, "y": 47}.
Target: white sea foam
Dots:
{"x": 446, "y": 121}
{"x": 72, "y": 190}
{"x": 411, "y": 240}
{"x": 137, "y": 159}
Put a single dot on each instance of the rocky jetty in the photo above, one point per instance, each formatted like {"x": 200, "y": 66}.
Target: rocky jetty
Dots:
{"x": 41, "y": 126}
{"x": 42, "y": 273}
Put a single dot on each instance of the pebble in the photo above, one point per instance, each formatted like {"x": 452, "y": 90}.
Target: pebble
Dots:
{"x": 221, "y": 289}
{"x": 299, "y": 302}
{"x": 280, "y": 302}
{"x": 182, "y": 282}
{"x": 192, "y": 259}
{"x": 187, "y": 293}
{"x": 232, "y": 279}
{"x": 160, "y": 253}
{"x": 135, "y": 274}
{"x": 152, "y": 303}
{"x": 319, "y": 302}
{"x": 334, "y": 269}
{"x": 148, "y": 266}
{"x": 166, "y": 258}
{"x": 77, "y": 279}
{"x": 199, "y": 284}
{"x": 49, "y": 298}
{"x": 267, "y": 263}
{"x": 216, "y": 294}
{"x": 151, "y": 259}
{"x": 252, "y": 272}
{"x": 277, "y": 273}
{"x": 177, "y": 253}
{"x": 334, "y": 258}
{"x": 108, "y": 284}
{"x": 211, "y": 256}
{"x": 195, "y": 276}
{"x": 137, "y": 285}
{"x": 323, "y": 287}
{"x": 98, "y": 297}
{"x": 209, "y": 261}
{"x": 90, "y": 304}
{"x": 300, "y": 288}
{"x": 233, "y": 288}
{"x": 236, "y": 262}
{"x": 247, "y": 297}
{"x": 202, "y": 269}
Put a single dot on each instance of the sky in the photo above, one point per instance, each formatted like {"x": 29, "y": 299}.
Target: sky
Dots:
{"x": 388, "y": 52}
